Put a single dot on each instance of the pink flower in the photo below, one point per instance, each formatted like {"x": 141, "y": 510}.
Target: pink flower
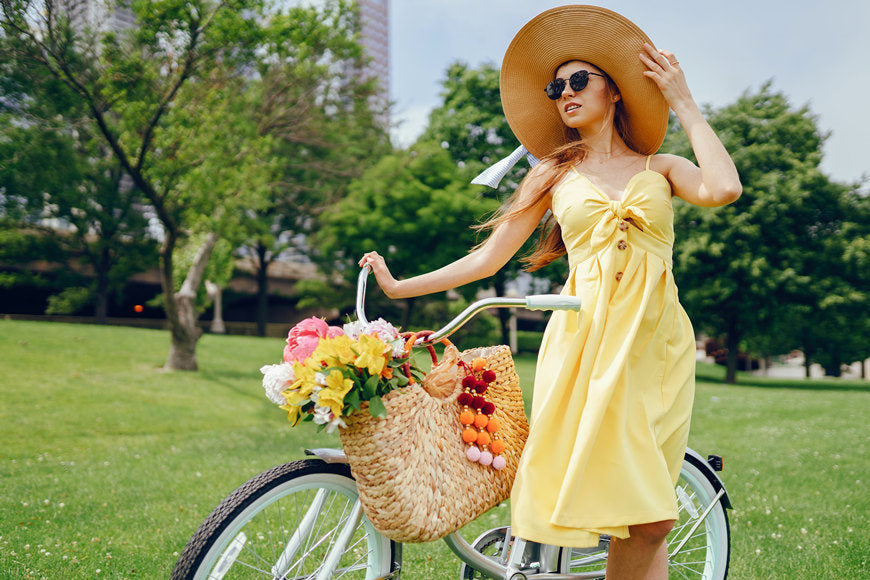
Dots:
{"x": 303, "y": 338}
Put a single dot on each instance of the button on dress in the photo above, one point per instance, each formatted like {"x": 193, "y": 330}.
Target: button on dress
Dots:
{"x": 615, "y": 382}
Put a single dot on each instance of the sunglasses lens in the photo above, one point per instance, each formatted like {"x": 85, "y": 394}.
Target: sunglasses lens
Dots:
{"x": 579, "y": 80}
{"x": 554, "y": 89}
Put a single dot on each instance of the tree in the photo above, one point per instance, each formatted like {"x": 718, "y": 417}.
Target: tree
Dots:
{"x": 413, "y": 207}
{"x": 54, "y": 170}
{"x": 323, "y": 124}
{"x": 748, "y": 269}
{"x": 156, "y": 95}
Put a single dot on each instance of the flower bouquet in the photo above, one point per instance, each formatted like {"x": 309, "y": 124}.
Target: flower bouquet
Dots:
{"x": 329, "y": 372}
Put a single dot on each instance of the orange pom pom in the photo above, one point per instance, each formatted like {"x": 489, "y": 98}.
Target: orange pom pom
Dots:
{"x": 497, "y": 446}
{"x": 466, "y": 417}
{"x": 469, "y": 435}
{"x": 483, "y": 438}
{"x": 481, "y": 421}
{"x": 493, "y": 425}
{"x": 478, "y": 364}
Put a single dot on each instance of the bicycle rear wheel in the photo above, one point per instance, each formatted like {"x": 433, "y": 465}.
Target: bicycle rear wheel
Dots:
{"x": 299, "y": 520}
{"x": 697, "y": 548}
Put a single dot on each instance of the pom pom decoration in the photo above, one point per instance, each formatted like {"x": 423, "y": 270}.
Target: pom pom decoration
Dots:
{"x": 479, "y": 428}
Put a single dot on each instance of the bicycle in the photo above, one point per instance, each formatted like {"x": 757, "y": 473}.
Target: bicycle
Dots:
{"x": 303, "y": 519}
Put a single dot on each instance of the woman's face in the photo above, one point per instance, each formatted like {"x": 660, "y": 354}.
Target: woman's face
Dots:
{"x": 589, "y": 108}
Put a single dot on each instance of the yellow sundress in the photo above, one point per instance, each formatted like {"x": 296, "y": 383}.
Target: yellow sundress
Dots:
{"x": 615, "y": 382}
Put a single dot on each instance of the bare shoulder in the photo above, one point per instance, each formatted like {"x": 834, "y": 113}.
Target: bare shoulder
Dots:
{"x": 539, "y": 178}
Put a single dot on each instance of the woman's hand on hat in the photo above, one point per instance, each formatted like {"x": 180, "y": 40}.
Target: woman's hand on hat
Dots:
{"x": 665, "y": 71}
{"x": 382, "y": 274}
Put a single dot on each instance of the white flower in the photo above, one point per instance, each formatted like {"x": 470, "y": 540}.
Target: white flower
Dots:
{"x": 380, "y": 328}
{"x": 324, "y": 416}
{"x": 354, "y": 329}
{"x": 320, "y": 379}
{"x": 398, "y": 348}
{"x": 276, "y": 379}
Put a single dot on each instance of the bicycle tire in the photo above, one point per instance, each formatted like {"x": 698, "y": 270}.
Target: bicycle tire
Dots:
{"x": 695, "y": 493}
{"x": 249, "y": 535}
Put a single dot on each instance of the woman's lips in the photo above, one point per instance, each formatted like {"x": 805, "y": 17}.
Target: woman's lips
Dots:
{"x": 570, "y": 107}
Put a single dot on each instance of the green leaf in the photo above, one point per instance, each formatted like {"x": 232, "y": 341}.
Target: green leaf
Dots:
{"x": 370, "y": 387}
{"x": 376, "y": 408}
{"x": 352, "y": 399}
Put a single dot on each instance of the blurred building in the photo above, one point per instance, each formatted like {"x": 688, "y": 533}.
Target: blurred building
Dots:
{"x": 102, "y": 15}
{"x": 376, "y": 41}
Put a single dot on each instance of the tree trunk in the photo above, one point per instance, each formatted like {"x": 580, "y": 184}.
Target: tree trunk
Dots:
{"x": 101, "y": 310}
{"x": 262, "y": 289}
{"x": 807, "y": 363}
{"x": 732, "y": 343}
{"x": 216, "y": 293}
{"x": 834, "y": 368}
{"x": 181, "y": 306}
{"x": 504, "y": 315}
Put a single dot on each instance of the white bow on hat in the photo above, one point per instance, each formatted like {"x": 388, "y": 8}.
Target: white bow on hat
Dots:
{"x": 492, "y": 175}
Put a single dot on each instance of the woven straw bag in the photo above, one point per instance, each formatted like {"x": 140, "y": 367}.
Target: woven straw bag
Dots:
{"x": 414, "y": 480}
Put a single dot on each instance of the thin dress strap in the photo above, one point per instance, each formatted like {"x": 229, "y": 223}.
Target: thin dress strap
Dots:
{"x": 648, "y": 157}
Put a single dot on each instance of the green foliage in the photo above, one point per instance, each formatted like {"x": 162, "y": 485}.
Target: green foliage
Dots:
{"x": 760, "y": 270}
{"x": 412, "y": 206}
{"x": 69, "y": 301}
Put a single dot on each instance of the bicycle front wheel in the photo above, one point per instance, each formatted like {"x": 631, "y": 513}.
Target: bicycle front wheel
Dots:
{"x": 699, "y": 546}
{"x": 299, "y": 520}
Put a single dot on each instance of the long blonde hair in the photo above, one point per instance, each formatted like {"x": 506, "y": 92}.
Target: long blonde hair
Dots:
{"x": 550, "y": 245}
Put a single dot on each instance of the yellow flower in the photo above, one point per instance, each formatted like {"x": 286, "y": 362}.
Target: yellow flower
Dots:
{"x": 294, "y": 413}
{"x": 332, "y": 395}
{"x": 371, "y": 353}
{"x": 336, "y": 351}
{"x": 338, "y": 383}
{"x": 305, "y": 378}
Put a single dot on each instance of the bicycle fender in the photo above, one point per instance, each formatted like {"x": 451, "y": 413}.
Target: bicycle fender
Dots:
{"x": 328, "y": 454}
{"x": 698, "y": 461}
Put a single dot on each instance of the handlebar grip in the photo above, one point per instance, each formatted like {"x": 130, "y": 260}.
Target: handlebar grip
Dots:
{"x": 552, "y": 302}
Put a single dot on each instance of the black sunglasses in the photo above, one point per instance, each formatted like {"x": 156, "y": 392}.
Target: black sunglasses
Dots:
{"x": 577, "y": 81}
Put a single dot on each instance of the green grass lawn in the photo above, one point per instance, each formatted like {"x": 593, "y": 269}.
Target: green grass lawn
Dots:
{"x": 108, "y": 464}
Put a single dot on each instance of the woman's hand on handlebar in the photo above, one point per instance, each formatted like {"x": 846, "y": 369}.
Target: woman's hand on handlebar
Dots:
{"x": 382, "y": 273}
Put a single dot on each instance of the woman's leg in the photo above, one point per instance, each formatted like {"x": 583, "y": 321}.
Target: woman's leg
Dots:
{"x": 642, "y": 556}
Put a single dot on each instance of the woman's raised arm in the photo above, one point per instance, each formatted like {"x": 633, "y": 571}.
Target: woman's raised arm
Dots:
{"x": 716, "y": 181}
{"x": 507, "y": 238}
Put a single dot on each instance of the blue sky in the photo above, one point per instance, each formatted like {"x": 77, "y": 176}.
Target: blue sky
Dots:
{"x": 816, "y": 53}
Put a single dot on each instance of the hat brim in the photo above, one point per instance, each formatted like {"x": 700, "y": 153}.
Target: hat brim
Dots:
{"x": 591, "y": 34}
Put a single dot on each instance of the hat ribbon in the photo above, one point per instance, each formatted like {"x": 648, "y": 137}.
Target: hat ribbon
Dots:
{"x": 492, "y": 175}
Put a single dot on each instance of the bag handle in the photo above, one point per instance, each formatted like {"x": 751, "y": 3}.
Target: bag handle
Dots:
{"x": 410, "y": 339}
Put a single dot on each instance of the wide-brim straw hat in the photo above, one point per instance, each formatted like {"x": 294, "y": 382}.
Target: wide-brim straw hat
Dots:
{"x": 592, "y": 34}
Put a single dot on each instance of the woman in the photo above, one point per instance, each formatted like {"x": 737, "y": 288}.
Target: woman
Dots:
{"x": 614, "y": 383}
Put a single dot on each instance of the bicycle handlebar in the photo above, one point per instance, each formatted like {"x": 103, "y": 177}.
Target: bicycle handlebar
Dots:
{"x": 534, "y": 302}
